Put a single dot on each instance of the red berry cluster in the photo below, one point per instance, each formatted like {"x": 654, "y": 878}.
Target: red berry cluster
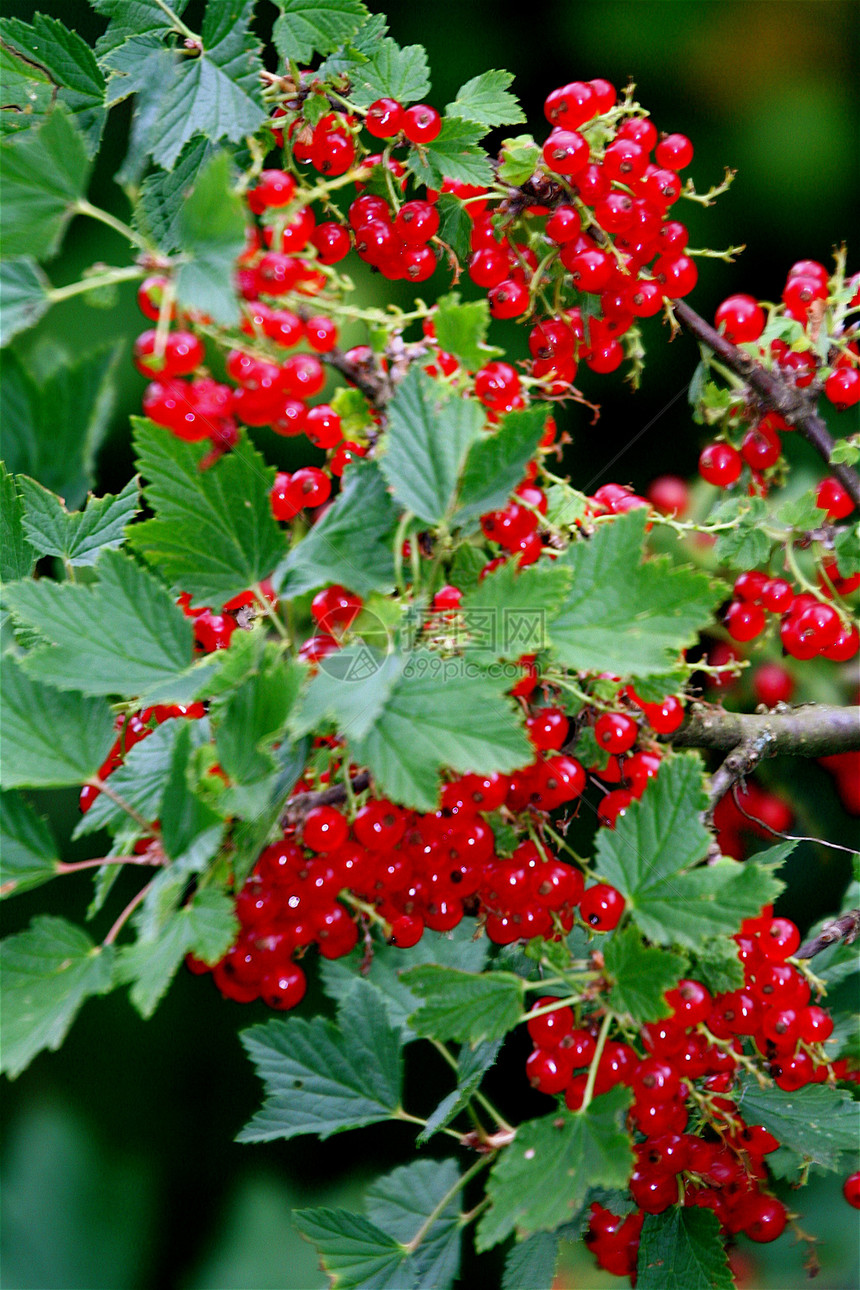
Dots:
{"x": 692, "y": 1146}
{"x": 809, "y": 626}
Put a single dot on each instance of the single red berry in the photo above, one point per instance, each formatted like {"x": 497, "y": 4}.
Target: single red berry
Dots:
{"x": 613, "y": 806}
{"x": 833, "y": 498}
{"x": 384, "y": 118}
{"x": 548, "y": 1030}
{"x": 324, "y": 829}
{"x": 615, "y": 732}
{"x": 744, "y": 621}
{"x": 421, "y": 124}
{"x": 601, "y": 907}
{"x": 674, "y": 151}
{"x": 851, "y": 1189}
{"x": 720, "y": 464}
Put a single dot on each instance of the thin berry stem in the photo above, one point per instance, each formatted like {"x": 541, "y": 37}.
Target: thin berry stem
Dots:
{"x": 595, "y": 1061}
{"x": 126, "y": 914}
{"x": 443, "y": 1204}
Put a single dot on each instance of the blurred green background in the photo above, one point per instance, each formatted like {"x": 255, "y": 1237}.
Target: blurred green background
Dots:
{"x": 118, "y": 1167}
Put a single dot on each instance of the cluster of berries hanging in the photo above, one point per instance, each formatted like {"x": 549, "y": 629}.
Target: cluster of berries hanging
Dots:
{"x": 692, "y": 1144}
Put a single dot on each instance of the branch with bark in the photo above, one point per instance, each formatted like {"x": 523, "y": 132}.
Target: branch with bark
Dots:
{"x": 774, "y": 392}
{"x": 845, "y": 928}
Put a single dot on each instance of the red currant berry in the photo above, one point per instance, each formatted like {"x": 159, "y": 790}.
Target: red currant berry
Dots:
{"x": 601, "y": 907}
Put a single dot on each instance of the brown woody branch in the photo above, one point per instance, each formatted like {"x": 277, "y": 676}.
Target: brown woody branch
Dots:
{"x": 845, "y": 928}
{"x": 774, "y": 392}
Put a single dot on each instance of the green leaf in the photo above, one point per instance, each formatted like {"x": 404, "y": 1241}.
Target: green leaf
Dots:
{"x": 190, "y": 829}
{"x": 134, "y": 19}
{"x": 390, "y": 72}
{"x": 351, "y": 544}
{"x": 51, "y": 739}
{"x": 520, "y": 156}
{"x": 122, "y": 635}
{"x": 485, "y": 99}
{"x": 65, "y": 57}
{"x": 28, "y": 852}
{"x": 58, "y": 451}
{"x": 543, "y": 1176}
{"x": 510, "y": 612}
{"x": 819, "y": 1121}
{"x": 400, "y": 1204}
{"x": 159, "y": 210}
{"x": 472, "y": 1066}
{"x": 321, "y": 1078}
{"x": 355, "y": 1253}
{"x": 46, "y": 973}
{"x": 650, "y": 854}
{"x": 467, "y": 1006}
{"x": 455, "y": 153}
{"x": 218, "y": 93}
{"x": 640, "y": 975}
{"x": 255, "y": 715}
{"x": 747, "y": 544}
{"x": 466, "y": 567}
{"x": 440, "y": 713}
{"x": 45, "y": 174}
{"x": 23, "y": 296}
{"x": 388, "y": 965}
{"x": 206, "y": 927}
{"x": 716, "y": 964}
{"x": 351, "y": 690}
{"x": 495, "y": 463}
{"x": 455, "y": 227}
{"x": 846, "y": 549}
{"x": 308, "y": 26}
{"x": 624, "y": 615}
{"x": 462, "y": 329}
{"x": 27, "y": 93}
{"x": 430, "y": 431}
{"x": 532, "y": 1263}
{"x": 16, "y": 555}
{"x": 139, "y": 781}
{"x": 212, "y": 234}
{"x": 682, "y": 1249}
{"x": 213, "y": 533}
{"x": 77, "y": 537}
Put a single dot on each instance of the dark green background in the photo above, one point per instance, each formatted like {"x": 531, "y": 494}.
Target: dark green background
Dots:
{"x": 119, "y": 1168}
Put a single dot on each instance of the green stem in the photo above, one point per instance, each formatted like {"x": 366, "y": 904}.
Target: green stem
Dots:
{"x": 595, "y": 1061}
{"x": 126, "y": 914}
{"x": 178, "y": 24}
{"x": 104, "y": 787}
{"x": 130, "y": 274}
{"x": 477, "y": 1095}
{"x": 458, "y": 1186}
{"x": 399, "y": 538}
{"x": 400, "y": 1114}
{"x": 83, "y": 207}
{"x": 271, "y": 613}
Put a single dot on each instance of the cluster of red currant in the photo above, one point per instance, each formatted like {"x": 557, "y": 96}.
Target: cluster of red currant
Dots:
{"x": 694, "y": 1147}
{"x": 809, "y": 626}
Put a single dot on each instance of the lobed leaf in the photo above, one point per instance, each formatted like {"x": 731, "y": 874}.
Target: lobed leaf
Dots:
{"x": 28, "y": 853}
{"x": 52, "y": 739}
{"x": 819, "y": 1121}
{"x": 402, "y": 1202}
{"x": 390, "y": 72}
{"x": 305, "y": 27}
{"x": 455, "y": 153}
{"x": 486, "y": 100}
{"x": 78, "y": 537}
{"x": 355, "y": 1253}
{"x": 640, "y": 974}
{"x": 45, "y": 175}
{"x": 682, "y": 1249}
{"x": 49, "y": 48}
{"x": 211, "y": 232}
{"x": 470, "y": 1007}
{"x": 24, "y": 296}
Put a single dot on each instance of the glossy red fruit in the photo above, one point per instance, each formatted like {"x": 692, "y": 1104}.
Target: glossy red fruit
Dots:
{"x": 324, "y": 829}
{"x": 601, "y": 907}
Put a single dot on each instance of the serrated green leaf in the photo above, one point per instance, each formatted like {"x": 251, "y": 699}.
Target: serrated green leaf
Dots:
{"x": 211, "y": 230}
{"x": 520, "y": 156}
{"x": 495, "y": 464}
{"x": 650, "y": 856}
{"x": 45, "y": 174}
{"x": 321, "y": 1078}
{"x": 440, "y": 713}
{"x": 79, "y": 536}
{"x": 819, "y": 1121}
{"x": 625, "y": 615}
{"x": 543, "y": 1176}
{"x": 357, "y": 51}
{"x": 352, "y": 543}
{"x": 255, "y": 715}
{"x": 846, "y": 549}
{"x": 486, "y": 100}
{"x": 213, "y": 533}
{"x": 466, "y": 567}
{"x": 390, "y": 72}
{"x": 510, "y": 612}
{"x": 801, "y": 512}
{"x": 47, "y": 973}
{"x": 640, "y": 975}
{"x": 206, "y": 927}
{"x": 716, "y": 964}
{"x": 58, "y": 451}
{"x": 400, "y": 1204}
{"x": 190, "y": 829}
{"x": 16, "y": 555}
{"x": 122, "y": 635}
{"x": 27, "y": 93}
{"x": 682, "y": 1249}
{"x": 351, "y": 689}
{"x": 388, "y": 964}
{"x": 28, "y": 853}
{"x": 455, "y": 153}
{"x": 305, "y": 27}
{"x": 747, "y": 545}
{"x": 472, "y": 1065}
{"x": 158, "y": 212}
{"x": 65, "y": 57}
{"x": 355, "y": 1253}
{"x": 532, "y": 1263}
{"x": 130, "y": 18}
{"x": 23, "y": 296}
{"x": 470, "y": 1007}
{"x": 51, "y": 739}
{"x": 430, "y": 431}
{"x": 462, "y": 329}
{"x": 139, "y": 781}
{"x": 455, "y": 227}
